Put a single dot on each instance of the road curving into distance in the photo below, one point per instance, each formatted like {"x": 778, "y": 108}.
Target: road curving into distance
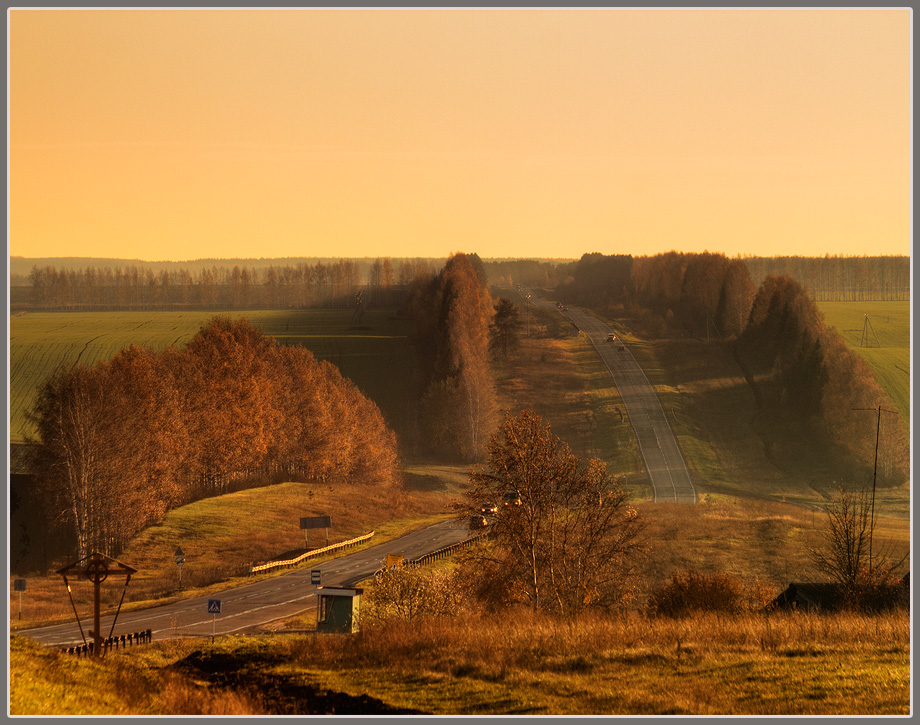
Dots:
{"x": 663, "y": 460}
{"x": 250, "y": 607}
{"x": 253, "y": 606}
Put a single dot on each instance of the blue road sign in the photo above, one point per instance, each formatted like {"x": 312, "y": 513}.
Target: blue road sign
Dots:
{"x": 315, "y": 576}
{"x": 214, "y": 606}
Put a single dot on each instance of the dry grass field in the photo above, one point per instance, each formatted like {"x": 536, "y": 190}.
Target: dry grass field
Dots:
{"x": 514, "y": 664}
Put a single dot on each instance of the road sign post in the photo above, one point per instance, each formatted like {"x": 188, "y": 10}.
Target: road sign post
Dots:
{"x": 180, "y": 560}
{"x": 19, "y": 585}
{"x": 315, "y": 522}
{"x": 213, "y": 610}
{"x": 316, "y": 577}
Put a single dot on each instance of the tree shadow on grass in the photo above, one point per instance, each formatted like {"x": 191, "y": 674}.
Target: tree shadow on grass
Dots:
{"x": 423, "y": 482}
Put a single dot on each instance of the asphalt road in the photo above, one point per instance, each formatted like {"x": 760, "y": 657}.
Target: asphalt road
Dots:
{"x": 663, "y": 460}
{"x": 253, "y": 606}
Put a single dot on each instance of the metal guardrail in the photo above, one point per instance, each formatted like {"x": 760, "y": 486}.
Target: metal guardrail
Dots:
{"x": 310, "y": 554}
{"x": 443, "y": 552}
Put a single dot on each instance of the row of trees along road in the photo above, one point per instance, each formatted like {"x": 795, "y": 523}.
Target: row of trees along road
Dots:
{"x": 705, "y": 294}
{"x": 822, "y": 389}
{"x": 802, "y": 373}
{"x": 453, "y": 312}
{"x": 120, "y": 442}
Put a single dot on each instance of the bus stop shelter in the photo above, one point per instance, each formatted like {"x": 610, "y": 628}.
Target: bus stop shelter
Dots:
{"x": 337, "y": 609}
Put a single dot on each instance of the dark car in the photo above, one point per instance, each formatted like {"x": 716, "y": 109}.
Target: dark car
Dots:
{"x": 488, "y": 508}
{"x": 511, "y": 498}
{"x": 478, "y": 522}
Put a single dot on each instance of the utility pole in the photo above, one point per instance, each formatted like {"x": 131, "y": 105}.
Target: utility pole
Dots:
{"x": 864, "y": 338}
{"x": 878, "y": 426}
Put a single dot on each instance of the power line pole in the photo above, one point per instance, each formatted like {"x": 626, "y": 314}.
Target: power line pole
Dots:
{"x": 864, "y": 338}
{"x": 878, "y": 426}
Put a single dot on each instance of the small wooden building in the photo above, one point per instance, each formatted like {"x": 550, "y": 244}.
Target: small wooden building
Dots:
{"x": 810, "y": 597}
{"x": 830, "y": 597}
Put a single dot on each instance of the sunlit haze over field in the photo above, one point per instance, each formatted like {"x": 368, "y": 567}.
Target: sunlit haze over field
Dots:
{"x": 183, "y": 134}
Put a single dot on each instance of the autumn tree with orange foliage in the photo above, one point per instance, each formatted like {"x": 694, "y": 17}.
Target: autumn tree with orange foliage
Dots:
{"x": 233, "y": 416}
{"x": 564, "y": 536}
{"x": 121, "y": 442}
{"x": 458, "y": 394}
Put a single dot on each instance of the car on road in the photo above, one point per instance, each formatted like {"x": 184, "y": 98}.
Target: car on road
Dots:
{"x": 478, "y": 522}
{"x": 511, "y": 498}
{"x": 488, "y": 508}
{"x": 611, "y": 337}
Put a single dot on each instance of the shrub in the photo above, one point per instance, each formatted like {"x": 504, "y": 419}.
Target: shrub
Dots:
{"x": 696, "y": 592}
{"x": 408, "y": 593}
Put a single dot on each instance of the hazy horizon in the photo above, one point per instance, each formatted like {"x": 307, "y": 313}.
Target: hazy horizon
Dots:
{"x": 512, "y": 133}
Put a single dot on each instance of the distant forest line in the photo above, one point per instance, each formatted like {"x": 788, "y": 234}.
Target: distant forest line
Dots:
{"x": 233, "y": 407}
{"x": 85, "y": 283}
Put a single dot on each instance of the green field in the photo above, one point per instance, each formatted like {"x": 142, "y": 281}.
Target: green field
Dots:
{"x": 376, "y": 355}
{"x": 880, "y": 332}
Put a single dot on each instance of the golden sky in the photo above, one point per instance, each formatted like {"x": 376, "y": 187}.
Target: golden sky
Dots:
{"x": 182, "y": 134}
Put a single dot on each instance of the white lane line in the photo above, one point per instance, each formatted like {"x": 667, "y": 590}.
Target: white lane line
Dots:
{"x": 225, "y": 617}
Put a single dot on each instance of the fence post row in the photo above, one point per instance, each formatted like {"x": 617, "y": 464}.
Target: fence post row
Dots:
{"x": 123, "y": 640}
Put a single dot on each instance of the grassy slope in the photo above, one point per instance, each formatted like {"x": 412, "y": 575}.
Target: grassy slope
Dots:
{"x": 222, "y": 536}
